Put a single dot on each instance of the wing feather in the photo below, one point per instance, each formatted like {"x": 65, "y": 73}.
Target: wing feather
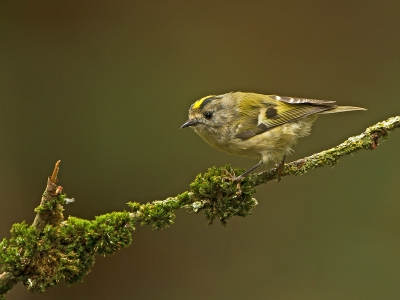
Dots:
{"x": 271, "y": 114}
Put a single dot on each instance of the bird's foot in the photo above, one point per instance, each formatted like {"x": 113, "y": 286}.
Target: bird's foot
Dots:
{"x": 232, "y": 177}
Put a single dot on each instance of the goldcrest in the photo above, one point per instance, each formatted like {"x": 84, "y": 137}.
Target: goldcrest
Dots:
{"x": 265, "y": 127}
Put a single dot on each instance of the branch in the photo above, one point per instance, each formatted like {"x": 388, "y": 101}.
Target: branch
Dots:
{"x": 367, "y": 140}
{"x": 54, "y": 249}
{"x": 49, "y": 211}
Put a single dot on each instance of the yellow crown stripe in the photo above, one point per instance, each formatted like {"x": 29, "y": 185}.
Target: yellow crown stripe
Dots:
{"x": 198, "y": 103}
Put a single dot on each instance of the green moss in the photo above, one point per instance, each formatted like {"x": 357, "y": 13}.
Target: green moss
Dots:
{"x": 40, "y": 259}
{"x": 53, "y": 205}
{"x": 213, "y": 192}
{"x": 160, "y": 214}
{"x": 219, "y": 197}
{"x": 109, "y": 233}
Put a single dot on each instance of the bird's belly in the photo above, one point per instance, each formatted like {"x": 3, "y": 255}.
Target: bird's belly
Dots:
{"x": 256, "y": 146}
{"x": 271, "y": 145}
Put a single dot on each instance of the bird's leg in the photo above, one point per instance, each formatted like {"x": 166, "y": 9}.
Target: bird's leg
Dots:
{"x": 240, "y": 177}
{"x": 279, "y": 169}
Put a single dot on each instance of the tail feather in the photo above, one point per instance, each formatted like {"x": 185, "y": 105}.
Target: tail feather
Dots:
{"x": 339, "y": 109}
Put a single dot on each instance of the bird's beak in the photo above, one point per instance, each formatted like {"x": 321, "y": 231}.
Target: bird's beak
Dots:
{"x": 190, "y": 122}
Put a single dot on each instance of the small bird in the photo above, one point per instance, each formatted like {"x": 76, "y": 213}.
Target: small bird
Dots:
{"x": 265, "y": 127}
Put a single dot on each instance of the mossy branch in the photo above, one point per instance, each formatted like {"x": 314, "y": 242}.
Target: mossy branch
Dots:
{"x": 367, "y": 140}
{"x": 53, "y": 249}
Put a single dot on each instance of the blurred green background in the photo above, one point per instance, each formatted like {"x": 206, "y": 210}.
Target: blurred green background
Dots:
{"x": 104, "y": 86}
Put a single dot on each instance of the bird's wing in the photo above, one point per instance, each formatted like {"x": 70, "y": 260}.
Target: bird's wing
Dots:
{"x": 272, "y": 113}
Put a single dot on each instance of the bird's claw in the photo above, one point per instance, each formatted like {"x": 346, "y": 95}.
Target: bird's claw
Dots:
{"x": 232, "y": 177}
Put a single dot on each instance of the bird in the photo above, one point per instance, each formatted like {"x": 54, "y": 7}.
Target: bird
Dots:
{"x": 265, "y": 127}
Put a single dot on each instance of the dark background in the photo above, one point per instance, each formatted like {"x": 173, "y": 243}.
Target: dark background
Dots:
{"x": 105, "y": 86}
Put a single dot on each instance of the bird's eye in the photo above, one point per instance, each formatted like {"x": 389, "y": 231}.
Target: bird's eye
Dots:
{"x": 208, "y": 114}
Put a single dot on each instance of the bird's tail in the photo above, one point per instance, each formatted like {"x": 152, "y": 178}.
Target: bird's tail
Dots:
{"x": 339, "y": 109}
